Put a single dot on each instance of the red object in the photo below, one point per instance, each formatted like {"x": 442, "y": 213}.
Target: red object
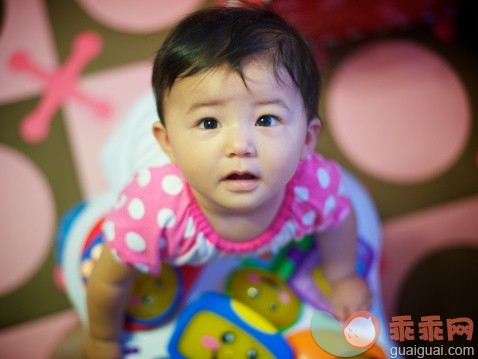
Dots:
{"x": 332, "y": 21}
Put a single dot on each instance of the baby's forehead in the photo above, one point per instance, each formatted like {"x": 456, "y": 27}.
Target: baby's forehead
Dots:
{"x": 253, "y": 73}
{"x": 255, "y": 85}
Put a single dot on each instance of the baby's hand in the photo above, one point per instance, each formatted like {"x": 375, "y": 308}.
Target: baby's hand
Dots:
{"x": 349, "y": 295}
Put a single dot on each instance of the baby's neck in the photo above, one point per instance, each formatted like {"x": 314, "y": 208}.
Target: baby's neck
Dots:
{"x": 241, "y": 227}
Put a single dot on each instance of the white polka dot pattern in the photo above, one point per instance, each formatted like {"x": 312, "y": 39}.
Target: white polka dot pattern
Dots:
{"x": 308, "y": 218}
{"x": 301, "y": 193}
{"x": 136, "y": 209}
{"x": 172, "y": 185}
{"x": 190, "y": 228}
{"x": 115, "y": 255}
{"x": 201, "y": 247}
{"x": 166, "y": 218}
{"x": 342, "y": 190}
{"x": 284, "y": 236}
{"x": 144, "y": 177}
{"x": 323, "y": 177}
{"x": 135, "y": 242}
{"x": 144, "y": 268}
{"x": 329, "y": 205}
{"x": 109, "y": 230}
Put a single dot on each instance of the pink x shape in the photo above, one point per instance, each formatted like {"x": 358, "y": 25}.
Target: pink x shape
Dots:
{"x": 60, "y": 85}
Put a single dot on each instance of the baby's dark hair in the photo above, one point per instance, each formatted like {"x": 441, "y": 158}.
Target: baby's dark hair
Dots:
{"x": 218, "y": 36}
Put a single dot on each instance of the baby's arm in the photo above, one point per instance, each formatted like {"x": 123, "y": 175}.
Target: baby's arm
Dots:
{"x": 348, "y": 292}
{"x": 107, "y": 295}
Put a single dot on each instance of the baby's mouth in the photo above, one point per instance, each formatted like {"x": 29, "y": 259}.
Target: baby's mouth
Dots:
{"x": 240, "y": 176}
{"x": 241, "y": 181}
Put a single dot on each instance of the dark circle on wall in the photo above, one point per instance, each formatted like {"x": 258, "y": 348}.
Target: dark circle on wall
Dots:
{"x": 445, "y": 284}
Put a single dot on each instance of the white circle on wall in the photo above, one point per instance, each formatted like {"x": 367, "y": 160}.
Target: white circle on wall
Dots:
{"x": 138, "y": 16}
{"x": 27, "y": 212}
{"x": 398, "y": 111}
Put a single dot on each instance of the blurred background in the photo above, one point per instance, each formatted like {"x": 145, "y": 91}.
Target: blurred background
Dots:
{"x": 399, "y": 103}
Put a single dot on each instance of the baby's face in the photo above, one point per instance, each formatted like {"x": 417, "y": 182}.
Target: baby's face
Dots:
{"x": 237, "y": 146}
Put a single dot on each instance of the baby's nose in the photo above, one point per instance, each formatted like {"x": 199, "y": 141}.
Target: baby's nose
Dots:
{"x": 240, "y": 143}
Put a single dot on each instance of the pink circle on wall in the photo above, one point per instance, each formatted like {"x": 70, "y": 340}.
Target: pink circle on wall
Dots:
{"x": 27, "y": 218}
{"x": 398, "y": 111}
{"x": 138, "y": 16}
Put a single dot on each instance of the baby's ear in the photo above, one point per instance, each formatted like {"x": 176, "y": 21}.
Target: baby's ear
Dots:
{"x": 161, "y": 134}
{"x": 313, "y": 129}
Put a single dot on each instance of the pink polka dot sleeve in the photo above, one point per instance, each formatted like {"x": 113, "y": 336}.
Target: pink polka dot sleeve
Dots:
{"x": 320, "y": 200}
{"x": 136, "y": 226}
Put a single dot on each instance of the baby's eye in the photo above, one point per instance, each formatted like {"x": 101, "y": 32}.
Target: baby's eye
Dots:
{"x": 208, "y": 123}
{"x": 267, "y": 120}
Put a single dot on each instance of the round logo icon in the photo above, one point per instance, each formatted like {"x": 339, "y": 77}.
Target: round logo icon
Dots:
{"x": 356, "y": 335}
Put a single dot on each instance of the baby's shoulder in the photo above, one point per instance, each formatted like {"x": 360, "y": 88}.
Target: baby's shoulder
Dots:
{"x": 160, "y": 182}
{"x": 317, "y": 170}
{"x": 319, "y": 198}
